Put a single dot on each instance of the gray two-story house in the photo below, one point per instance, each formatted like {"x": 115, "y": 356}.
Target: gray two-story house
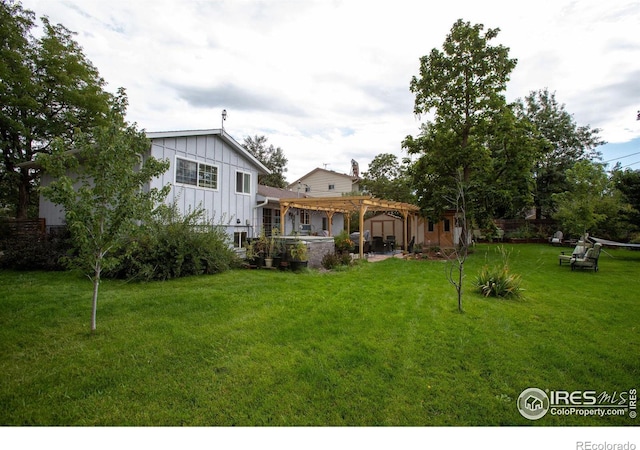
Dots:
{"x": 208, "y": 169}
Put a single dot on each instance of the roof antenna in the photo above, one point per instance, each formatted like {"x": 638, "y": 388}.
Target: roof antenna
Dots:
{"x": 224, "y": 117}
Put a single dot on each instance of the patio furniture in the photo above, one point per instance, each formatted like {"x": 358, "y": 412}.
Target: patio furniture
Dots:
{"x": 556, "y": 239}
{"x": 378, "y": 244}
{"x": 391, "y": 242}
{"x": 411, "y": 244}
{"x": 589, "y": 260}
{"x": 578, "y": 252}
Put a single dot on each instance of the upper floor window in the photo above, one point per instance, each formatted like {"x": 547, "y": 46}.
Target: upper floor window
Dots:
{"x": 332, "y": 187}
{"x": 243, "y": 183}
{"x": 196, "y": 174}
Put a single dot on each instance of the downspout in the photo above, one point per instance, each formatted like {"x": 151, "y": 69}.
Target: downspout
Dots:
{"x": 255, "y": 211}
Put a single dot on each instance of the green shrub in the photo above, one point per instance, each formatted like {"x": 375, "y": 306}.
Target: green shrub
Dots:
{"x": 343, "y": 242}
{"x": 173, "y": 246}
{"x": 334, "y": 260}
{"x": 498, "y": 281}
{"x": 330, "y": 261}
{"x": 21, "y": 252}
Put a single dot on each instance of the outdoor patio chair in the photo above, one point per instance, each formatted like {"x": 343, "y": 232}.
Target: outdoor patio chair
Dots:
{"x": 578, "y": 252}
{"x": 556, "y": 239}
{"x": 590, "y": 259}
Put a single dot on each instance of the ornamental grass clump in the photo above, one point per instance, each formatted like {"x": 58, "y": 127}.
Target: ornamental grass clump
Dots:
{"x": 498, "y": 281}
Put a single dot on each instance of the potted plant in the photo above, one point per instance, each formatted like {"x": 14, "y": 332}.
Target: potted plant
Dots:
{"x": 343, "y": 243}
{"x": 250, "y": 254}
{"x": 299, "y": 255}
{"x": 271, "y": 248}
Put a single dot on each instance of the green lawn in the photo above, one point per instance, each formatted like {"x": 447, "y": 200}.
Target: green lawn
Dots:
{"x": 379, "y": 344}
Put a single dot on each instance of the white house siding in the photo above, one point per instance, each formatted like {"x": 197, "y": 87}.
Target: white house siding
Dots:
{"x": 223, "y": 205}
{"x": 52, "y": 213}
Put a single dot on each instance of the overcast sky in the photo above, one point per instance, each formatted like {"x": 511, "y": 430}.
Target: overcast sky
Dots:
{"x": 328, "y": 81}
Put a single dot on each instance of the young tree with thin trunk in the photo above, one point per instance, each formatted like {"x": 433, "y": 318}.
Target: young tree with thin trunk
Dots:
{"x": 455, "y": 270}
{"x": 102, "y": 183}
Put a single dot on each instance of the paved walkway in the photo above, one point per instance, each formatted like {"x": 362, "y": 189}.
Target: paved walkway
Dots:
{"x": 375, "y": 257}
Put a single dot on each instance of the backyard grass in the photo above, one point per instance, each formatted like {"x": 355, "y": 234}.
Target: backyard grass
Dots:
{"x": 378, "y": 344}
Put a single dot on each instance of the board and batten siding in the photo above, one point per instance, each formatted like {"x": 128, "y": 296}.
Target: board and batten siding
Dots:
{"x": 53, "y": 214}
{"x": 223, "y": 204}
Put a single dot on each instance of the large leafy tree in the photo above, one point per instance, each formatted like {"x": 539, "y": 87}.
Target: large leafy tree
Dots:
{"x": 388, "y": 178}
{"x": 581, "y": 207}
{"x": 102, "y": 183}
{"x": 628, "y": 183}
{"x": 507, "y": 191}
{"x": 560, "y": 144}
{"x": 49, "y": 90}
{"x": 273, "y": 158}
{"x": 460, "y": 91}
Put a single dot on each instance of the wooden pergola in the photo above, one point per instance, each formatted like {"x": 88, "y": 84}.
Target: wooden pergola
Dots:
{"x": 346, "y": 205}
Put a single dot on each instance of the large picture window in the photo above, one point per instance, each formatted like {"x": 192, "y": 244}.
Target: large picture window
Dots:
{"x": 243, "y": 183}
{"x": 196, "y": 174}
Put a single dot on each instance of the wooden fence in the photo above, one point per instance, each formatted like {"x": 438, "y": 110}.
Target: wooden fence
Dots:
{"x": 23, "y": 228}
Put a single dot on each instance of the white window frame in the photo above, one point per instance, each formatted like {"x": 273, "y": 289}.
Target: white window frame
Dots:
{"x": 198, "y": 164}
{"x": 305, "y": 217}
{"x": 245, "y": 184}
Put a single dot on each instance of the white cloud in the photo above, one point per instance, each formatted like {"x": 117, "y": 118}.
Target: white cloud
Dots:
{"x": 328, "y": 81}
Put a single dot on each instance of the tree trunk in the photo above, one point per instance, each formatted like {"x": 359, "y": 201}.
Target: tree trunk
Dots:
{"x": 96, "y": 285}
{"x": 24, "y": 188}
{"x": 459, "y": 286}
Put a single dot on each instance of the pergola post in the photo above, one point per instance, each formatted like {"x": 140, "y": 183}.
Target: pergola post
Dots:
{"x": 405, "y": 216}
{"x": 330, "y": 219}
{"x": 363, "y": 209}
{"x": 283, "y": 213}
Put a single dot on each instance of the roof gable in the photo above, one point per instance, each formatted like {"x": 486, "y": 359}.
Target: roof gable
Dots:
{"x": 328, "y": 172}
{"x": 226, "y": 137}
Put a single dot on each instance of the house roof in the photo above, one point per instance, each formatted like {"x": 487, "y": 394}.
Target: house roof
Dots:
{"x": 318, "y": 169}
{"x": 226, "y": 137}
{"x": 274, "y": 192}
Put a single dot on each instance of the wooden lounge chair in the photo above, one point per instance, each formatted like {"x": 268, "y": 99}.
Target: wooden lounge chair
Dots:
{"x": 590, "y": 259}
{"x": 578, "y": 252}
